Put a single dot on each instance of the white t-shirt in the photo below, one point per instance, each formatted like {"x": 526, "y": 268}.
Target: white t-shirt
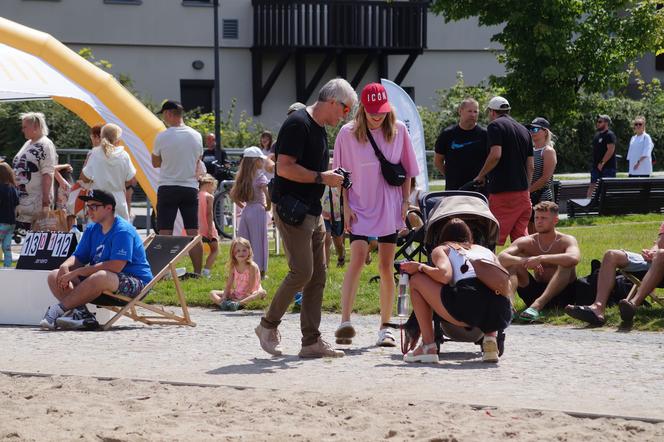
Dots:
{"x": 110, "y": 174}
{"x": 180, "y": 148}
{"x": 640, "y": 146}
{"x": 31, "y": 162}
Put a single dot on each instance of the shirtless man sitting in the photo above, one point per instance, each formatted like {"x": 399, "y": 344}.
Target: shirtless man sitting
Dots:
{"x": 551, "y": 255}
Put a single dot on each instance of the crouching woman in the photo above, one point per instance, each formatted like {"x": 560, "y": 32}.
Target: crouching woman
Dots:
{"x": 451, "y": 288}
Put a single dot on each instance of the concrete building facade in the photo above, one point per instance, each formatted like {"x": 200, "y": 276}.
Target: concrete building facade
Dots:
{"x": 166, "y": 48}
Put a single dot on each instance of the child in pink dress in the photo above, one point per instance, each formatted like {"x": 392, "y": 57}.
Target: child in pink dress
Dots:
{"x": 206, "y": 227}
{"x": 244, "y": 279}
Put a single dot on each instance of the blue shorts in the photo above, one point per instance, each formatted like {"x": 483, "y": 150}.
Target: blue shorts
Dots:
{"x": 129, "y": 285}
{"x": 595, "y": 174}
{"x": 336, "y": 229}
{"x": 635, "y": 263}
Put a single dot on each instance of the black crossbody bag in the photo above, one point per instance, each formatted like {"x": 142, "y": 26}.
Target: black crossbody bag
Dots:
{"x": 394, "y": 174}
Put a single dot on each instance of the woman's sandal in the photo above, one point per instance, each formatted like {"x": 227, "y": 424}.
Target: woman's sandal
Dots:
{"x": 423, "y": 356}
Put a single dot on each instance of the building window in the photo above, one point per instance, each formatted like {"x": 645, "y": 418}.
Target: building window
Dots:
{"x": 196, "y": 2}
{"x": 123, "y": 2}
{"x": 230, "y": 29}
{"x": 197, "y": 94}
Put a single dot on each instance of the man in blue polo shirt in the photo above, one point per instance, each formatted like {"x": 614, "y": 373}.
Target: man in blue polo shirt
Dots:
{"x": 110, "y": 257}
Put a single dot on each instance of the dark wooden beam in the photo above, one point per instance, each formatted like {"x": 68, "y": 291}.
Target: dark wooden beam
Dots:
{"x": 342, "y": 64}
{"x": 361, "y": 72}
{"x": 304, "y": 94}
{"x": 383, "y": 71}
{"x": 261, "y": 90}
{"x": 405, "y": 68}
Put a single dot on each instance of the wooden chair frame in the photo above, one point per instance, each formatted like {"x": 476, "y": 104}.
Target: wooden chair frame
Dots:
{"x": 637, "y": 283}
{"x": 160, "y": 316}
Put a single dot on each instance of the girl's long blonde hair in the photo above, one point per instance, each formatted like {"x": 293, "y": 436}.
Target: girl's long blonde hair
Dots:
{"x": 389, "y": 125}
{"x": 243, "y": 188}
{"x": 7, "y": 174}
{"x": 239, "y": 241}
{"x": 110, "y": 134}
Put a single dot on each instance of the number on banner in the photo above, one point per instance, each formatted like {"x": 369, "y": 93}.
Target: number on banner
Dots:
{"x": 62, "y": 244}
{"x": 34, "y": 245}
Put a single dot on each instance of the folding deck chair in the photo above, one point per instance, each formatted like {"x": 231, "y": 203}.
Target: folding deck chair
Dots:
{"x": 636, "y": 278}
{"x": 162, "y": 253}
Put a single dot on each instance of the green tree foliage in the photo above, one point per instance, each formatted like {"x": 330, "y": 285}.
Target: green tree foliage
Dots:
{"x": 237, "y": 131}
{"x": 555, "y": 49}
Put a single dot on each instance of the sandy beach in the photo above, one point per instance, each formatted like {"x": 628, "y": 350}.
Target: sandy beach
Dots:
{"x": 213, "y": 382}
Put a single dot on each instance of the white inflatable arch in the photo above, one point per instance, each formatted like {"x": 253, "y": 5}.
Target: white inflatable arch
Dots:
{"x": 34, "y": 65}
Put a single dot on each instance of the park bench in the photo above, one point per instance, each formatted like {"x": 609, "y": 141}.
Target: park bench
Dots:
{"x": 620, "y": 196}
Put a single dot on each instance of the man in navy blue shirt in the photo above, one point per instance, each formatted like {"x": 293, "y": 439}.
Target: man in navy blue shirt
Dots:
{"x": 110, "y": 257}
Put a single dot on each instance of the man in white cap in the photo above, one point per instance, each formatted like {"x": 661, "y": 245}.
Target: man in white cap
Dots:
{"x": 509, "y": 168}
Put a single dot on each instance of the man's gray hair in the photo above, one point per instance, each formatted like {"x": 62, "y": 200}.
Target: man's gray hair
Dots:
{"x": 340, "y": 90}
{"x": 36, "y": 118}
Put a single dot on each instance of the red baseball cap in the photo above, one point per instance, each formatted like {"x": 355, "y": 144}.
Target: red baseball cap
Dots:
{"x": 374, "y": 99}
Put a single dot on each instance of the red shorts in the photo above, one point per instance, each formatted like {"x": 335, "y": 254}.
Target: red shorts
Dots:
{"x": 512, "y": 210}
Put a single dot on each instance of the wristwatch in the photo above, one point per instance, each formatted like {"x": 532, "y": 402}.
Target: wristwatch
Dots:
{"x": 319, "y": 178}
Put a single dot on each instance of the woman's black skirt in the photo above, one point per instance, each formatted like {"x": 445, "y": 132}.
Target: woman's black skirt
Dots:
{"x": 472, "y": 302}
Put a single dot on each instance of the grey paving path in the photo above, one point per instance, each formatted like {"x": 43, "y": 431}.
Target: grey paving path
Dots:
{"x": 557, "y": 368}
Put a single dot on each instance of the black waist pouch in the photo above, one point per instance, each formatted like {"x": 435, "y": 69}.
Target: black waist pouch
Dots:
{"x": 291, "y": 210}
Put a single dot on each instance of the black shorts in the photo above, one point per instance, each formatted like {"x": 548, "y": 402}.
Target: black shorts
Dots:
{"x": 389, "y": 239}
{"x": 170, "y": 199}
{"x": 534, "y": 290}
{"x": 207, "y": 240}
{"x": 473, "y": 303}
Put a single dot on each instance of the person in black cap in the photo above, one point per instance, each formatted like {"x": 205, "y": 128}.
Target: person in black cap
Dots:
{"x": 509, "y": 169}
{"x": 604, "y": 153}
{"x": 109, "y": 257}
{"x": 544, "y": 156}
{"x": 176, "y": 152}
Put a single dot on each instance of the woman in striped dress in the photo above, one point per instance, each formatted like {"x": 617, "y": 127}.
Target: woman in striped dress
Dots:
{"x": 541, "y": 187}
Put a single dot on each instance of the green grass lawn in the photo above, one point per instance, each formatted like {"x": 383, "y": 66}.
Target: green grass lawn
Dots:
{"x": 595, "y": 236}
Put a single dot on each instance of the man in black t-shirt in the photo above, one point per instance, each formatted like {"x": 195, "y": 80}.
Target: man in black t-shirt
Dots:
{"x": 461, "y": 148}
{"x": 604, "y": 153}
{"x": 302, "y": 160}
{"x": 509, "y": 167}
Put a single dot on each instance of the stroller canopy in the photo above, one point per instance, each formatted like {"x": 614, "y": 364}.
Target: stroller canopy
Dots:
{"x": 473, "y": 210}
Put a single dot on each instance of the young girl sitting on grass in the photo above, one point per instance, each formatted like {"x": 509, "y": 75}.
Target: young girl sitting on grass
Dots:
{"x": 244, "y": 279}
{"x": 206, "y": 227}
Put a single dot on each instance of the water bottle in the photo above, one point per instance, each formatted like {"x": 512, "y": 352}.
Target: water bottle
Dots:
{"x": 403, "y": 297}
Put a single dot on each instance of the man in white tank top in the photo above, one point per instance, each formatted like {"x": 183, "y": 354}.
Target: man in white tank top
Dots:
{"x": 551, "y": 255}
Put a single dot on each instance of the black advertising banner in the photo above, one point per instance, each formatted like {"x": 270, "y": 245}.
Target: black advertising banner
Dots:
{"x": 45, "y": 250}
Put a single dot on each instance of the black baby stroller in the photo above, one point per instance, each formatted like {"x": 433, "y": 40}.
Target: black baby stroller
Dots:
{"x": 437, "y": 209}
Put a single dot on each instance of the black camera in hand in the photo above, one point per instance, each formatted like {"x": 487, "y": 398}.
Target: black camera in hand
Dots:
{"x": 347, "y": 183}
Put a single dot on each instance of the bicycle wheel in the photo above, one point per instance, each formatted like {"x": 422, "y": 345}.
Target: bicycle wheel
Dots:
{"x": 222, "y": 210}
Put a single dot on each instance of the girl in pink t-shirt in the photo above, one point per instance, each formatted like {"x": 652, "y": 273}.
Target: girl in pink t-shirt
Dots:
{"x": 372, "y": 207}
{"x": 206, "y": 227}
{"x": 244, "y": 279}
